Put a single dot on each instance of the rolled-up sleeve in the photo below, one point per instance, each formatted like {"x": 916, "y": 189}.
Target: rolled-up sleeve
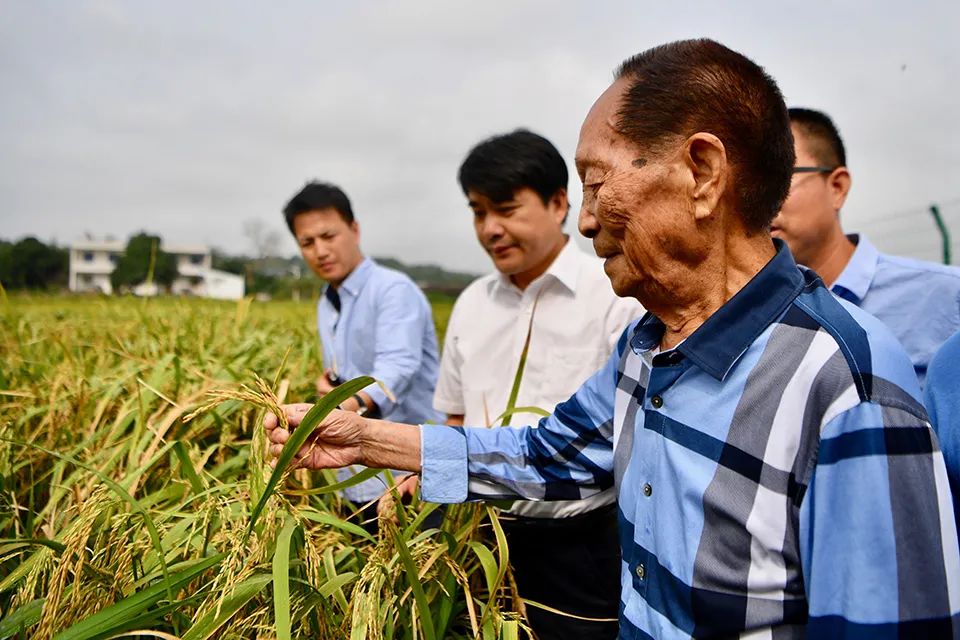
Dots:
{"x": 443, "y": 471}
{"x": 569, "y": 455}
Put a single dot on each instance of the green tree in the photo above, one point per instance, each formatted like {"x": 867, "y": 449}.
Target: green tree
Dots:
{"x": 230, "y": 264}
{"x": 31, "y": 264}
{"x": 6, "y": 263}
{"x": 143, "y": 253}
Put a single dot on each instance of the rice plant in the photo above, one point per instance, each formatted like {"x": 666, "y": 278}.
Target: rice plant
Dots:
{"x": 136, "y": 500}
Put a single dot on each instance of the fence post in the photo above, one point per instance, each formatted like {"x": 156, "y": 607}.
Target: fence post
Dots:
{"x": 944, "y": 232}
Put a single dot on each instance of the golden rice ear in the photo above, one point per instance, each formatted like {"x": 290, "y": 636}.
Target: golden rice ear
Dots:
{"x": 162, "y": 400}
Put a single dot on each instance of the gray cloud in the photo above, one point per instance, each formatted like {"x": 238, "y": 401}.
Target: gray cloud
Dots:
{"x": 189, "y": 118}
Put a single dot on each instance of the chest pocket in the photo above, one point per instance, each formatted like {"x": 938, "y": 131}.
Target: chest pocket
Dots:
{"x": 567, "y": 369}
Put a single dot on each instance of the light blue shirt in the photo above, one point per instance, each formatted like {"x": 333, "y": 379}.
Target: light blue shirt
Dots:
{"x": 384, "y": 329}
{"x": 942, "y": 397}
{"x": 775, "y": 472}
{"x": 919, "y": 301}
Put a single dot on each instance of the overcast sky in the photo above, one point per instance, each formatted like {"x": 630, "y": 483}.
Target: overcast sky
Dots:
{"x": 190, "y": 118}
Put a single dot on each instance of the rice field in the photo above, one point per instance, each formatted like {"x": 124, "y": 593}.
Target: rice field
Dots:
{"x": 136, "y": 501}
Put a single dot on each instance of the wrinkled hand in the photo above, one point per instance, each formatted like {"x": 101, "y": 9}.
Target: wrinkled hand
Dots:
{"x": 334, "y": 443}
{"x": 406, "y": 489}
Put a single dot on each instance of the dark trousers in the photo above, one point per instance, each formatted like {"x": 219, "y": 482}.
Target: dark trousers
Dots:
{"x": 569, "y": 564}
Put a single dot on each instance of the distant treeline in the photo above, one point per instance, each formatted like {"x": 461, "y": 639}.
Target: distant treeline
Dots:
{"x": 282, "y": 277}
{"x": 32, "y": 264}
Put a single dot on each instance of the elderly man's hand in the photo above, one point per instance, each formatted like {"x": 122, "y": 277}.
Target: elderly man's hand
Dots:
{"x": 336, "y": 442}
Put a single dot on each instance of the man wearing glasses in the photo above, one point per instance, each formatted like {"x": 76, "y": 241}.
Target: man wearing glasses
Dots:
{"x": 919, "y": 301}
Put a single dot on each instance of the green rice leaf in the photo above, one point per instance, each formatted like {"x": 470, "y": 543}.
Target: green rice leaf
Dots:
{"x": 503, "y": 550}
{"x": 518, "y": 376}
{"x": 329, "y": 565}
{"x": 511, "y": 412}
{"x": 13, "y": 544}
{"x": 186, "y": 466}
{"x": 24, "y": 617}
{"x": 413, "y": 528}
{"x": 338, "y": 523}
{"x": 360, "y": 476}
{"x": 413, "y": 579}
{"x": 20, "y": 572}
{"x": 281, "y": 579}
{"x": 487, "y": 562}
{"x": 336, "y": 583}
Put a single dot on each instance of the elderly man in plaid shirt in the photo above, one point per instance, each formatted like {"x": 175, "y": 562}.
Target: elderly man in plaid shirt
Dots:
{"x": 775, "y": 470}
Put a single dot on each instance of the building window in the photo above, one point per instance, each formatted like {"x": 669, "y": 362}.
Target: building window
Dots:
{"x": 88, "y": 256}
{"x": 196, "y": 259}
{"x": 114, "y": 258}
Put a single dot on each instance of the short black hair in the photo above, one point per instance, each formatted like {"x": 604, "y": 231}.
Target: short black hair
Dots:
{"x": 680, "y": 88}
{"x": 500, "y": 165}
{"x": 316, "y": 196}
{"x": 822, "y": 136}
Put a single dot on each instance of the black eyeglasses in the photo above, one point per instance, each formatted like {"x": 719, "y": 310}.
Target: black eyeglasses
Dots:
{"x": 814, "y": 169}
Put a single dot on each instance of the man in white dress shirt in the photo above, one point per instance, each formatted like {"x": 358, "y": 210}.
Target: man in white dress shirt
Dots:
{"x": 564, "y": 554}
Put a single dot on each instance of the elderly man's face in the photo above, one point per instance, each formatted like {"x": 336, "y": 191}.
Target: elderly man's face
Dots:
{"x": 634, "y": 206}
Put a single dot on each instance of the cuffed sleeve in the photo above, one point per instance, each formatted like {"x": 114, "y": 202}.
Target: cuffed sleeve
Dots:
{"x": 443, "y": 475}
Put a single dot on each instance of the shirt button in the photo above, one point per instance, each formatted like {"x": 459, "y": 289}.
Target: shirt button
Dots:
{"x": 641, "y": 572}
{"x": 656, "y": 401}
{"x": 647, "y": 490}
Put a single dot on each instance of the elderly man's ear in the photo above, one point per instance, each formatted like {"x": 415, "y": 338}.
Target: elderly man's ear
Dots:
{"x": 705, "y": 160}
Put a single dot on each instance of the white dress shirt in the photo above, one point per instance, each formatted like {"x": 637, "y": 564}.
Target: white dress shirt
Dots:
{"x": 576, "y": 324}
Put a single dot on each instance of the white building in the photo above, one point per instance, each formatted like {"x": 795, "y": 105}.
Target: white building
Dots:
{"x": 92, "y": 262}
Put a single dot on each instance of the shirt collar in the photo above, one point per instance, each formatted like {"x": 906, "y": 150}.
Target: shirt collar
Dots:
{"x": 726, "y": 335}
{"x": 565, "y": 269}
{"x": 354, "y": 282}
{"x": 857, "y": 276}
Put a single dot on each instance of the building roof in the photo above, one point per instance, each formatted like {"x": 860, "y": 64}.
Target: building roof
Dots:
{"x": 98, "y": 245}
{"x": 121, "y": 245}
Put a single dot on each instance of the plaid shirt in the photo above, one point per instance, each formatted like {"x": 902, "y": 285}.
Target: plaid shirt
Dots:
{"x": 776, "y": 473}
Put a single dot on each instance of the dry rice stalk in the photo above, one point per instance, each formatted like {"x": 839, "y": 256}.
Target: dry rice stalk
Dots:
{"x": 58, "y": 611}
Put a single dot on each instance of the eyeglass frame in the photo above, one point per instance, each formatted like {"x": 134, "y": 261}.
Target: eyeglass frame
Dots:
{"x": 815, "y": 169}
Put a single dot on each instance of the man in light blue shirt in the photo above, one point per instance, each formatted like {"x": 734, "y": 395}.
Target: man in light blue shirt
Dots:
{"x": 942, "y": 399}
{"x": 919, "y": 301}
{"x": 776, "y": 476}
{"x": 373, "y": 321}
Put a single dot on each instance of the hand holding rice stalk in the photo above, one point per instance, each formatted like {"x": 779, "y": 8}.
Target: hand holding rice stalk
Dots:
{"x": 322, "y": 438}
{"x": 336, "y": 443}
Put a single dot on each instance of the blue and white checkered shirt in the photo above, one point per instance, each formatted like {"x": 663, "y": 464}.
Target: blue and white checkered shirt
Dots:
{"x": 776, "y": 473}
